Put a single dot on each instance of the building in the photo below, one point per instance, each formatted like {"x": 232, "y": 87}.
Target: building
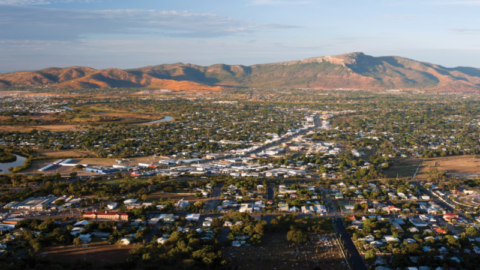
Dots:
{"x": 449, "y": 217}
{"x": 99, "y": 169}
{"x": 107, "y": 216}
{"x": 417, "y": 222}
{"x": 182, "y": 204}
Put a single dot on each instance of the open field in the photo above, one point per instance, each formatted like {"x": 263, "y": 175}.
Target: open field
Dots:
{"x": 41, "y": 127}
{"x": 96, "y": 252}
{"x": 403, "y": 167}
{"x": 276, "y": 253}
{"x": 64, "y": 153}
{"x": 457, "y": 166}
{"x": 172, "y": 197}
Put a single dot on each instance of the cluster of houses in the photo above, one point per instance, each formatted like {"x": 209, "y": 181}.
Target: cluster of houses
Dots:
{"x": 405, "y": 193}
{"x": 425, "y": 230}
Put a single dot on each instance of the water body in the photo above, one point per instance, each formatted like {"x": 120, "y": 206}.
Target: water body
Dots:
{"x": 19, "y": 162}
{"x": 165, "y": 119}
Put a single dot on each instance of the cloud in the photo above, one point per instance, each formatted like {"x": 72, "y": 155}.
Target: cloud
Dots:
{"x": 40, "y": 2}
{"x": 278, "y": 2}
{"x": 465, "y": 30}
{"x": 34, "y": 23}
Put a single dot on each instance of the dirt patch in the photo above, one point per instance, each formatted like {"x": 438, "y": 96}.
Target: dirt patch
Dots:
{"x": 457, "y": 166}
{"x": 320, "y": 251}
{"x": 97, "y": 253}
{"x": 64, "y": 153}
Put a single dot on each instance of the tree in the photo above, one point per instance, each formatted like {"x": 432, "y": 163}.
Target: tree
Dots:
{"x": 73, "y": 174}
{"x": 370, "y": 255}
{"x": 471, "y": 231}
{"x": 59, "y": 202}
{"x": 77, "y": 241}
{"x": 296, "y": 236}
{"x": 36, "y": 245}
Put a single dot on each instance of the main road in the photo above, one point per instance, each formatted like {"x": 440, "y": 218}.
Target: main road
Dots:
{"x": 351, "y": 249}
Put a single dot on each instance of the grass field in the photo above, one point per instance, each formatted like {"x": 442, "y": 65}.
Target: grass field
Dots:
{"x": 403, "y": 167}
{"x": 97, "y": 252}
{"x": 320, "y": 251}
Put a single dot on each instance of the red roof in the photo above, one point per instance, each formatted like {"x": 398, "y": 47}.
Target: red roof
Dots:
{"x": 105, "y": 214}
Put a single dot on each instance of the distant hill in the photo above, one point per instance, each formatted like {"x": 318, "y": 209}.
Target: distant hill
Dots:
{"x": 349, "y": 71}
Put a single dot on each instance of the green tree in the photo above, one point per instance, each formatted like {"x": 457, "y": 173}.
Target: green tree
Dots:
{"x": 296, "y": 236}
{"x": 471, "y": 231}
{"x": 370, "y": 255}
{"x": 77, "y": 241}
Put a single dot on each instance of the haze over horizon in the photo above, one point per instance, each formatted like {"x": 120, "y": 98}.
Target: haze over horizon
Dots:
{"x": 36, "y": 34}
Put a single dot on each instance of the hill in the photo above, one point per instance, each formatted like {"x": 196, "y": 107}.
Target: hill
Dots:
{"x": 349, "y": 71}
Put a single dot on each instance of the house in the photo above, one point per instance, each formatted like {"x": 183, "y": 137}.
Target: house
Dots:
{"x": 390, "y": 238}
{"x": 320, "y": 209}
{"x": 111, "y": 206}
{"x": 283, "y": 207}
{"x": 129, "y": 201}
{"x": 227, "y": 224}
{"x": 246, "y": 208}
{"x": 306, "y": 209}
{"x": 236, "y": 244}
{"x": 85, "y": 238}
{"x": 162, "y": 240}
{"x": 417, "y": 222}
{"x": 82, "y": 223}
{"x": 126, "y": 241}
{"x": 192, "y": 217}
{"x": 449, "y": 217}
{"x": 294, "y": 209}
{"x": 182, "y": 204}
{"x": 439, "y": 231}
{"x": 443, "y": 250}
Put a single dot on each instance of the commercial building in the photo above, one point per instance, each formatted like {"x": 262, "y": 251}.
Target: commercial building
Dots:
{"x": 107, "y": 216}
{"x": 98, "y": 169}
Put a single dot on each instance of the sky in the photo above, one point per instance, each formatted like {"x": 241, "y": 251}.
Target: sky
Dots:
{"x": 36, "y": 34}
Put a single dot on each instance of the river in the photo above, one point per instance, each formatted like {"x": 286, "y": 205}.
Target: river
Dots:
{"x": 165, "y": 119}
{"x": 19, "y": 162}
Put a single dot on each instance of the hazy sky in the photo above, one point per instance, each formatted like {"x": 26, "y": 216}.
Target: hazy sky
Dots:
{"x": 36, "y": 34}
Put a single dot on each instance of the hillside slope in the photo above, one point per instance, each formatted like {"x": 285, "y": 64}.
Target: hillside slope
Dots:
{"x": 350, "y": 71}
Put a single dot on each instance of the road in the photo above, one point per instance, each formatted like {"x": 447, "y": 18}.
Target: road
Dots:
{"x": 352, "y": 251}
{"x": 270, "y": 193}
{"x": 215, "y": 200}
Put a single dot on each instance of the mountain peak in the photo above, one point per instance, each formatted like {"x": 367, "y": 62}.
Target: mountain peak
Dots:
{"x": 341, "y": 59}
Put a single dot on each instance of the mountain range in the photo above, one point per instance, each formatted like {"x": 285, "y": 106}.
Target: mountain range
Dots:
{"x": 347, "y": 71}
